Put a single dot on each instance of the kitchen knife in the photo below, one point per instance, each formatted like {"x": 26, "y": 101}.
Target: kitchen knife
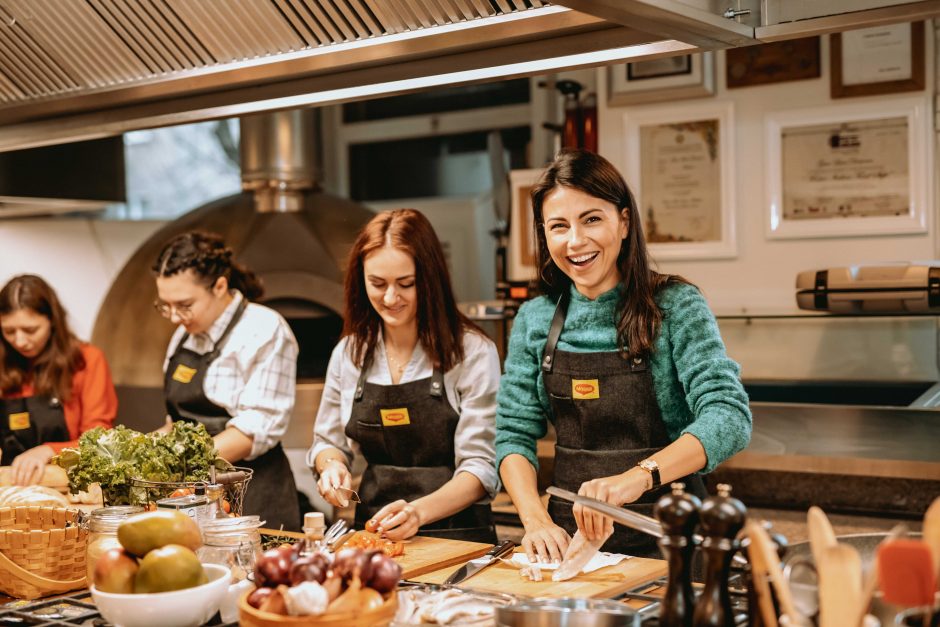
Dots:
{"x": 633, "y": 520}
{"x": 476, "y": 565}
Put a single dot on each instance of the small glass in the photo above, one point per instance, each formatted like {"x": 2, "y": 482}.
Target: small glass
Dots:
{"x": 233, "y": 542}
{"x": 102, "y": 527}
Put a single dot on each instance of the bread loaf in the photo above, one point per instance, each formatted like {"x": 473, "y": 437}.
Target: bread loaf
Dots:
{"x": 52, "y": 476}
{"x": 15, "y": 496}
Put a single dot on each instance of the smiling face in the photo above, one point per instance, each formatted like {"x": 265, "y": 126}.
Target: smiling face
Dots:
{"x": 584, "y": 235}
{"x": 390, "y": 283}
{"x": 27, "y": 331}
{"x": 187, "y": 301}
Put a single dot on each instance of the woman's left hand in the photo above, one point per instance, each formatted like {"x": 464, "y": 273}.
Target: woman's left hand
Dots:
{"x": 399, "y": 520}
{"x": 29, "y": 465}
{"x": 616, "y": 490}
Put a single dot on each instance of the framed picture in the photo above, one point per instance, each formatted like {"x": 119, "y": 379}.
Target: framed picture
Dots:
{"x": 878, "y": 60}
{"x": 666, "y": 78}
{"x": 679, "y": 164}
{"x": 521, "y": 253}
{"x": 776, "y": 62}
{"x": 856, "y": 169}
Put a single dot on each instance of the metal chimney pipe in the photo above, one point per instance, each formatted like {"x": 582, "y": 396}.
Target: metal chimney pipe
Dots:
{"x": 278, "y": 158}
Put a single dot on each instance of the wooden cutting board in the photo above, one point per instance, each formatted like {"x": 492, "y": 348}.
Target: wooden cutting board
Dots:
{"x": 604, "y": 583}
{"x": 423, "y": 555}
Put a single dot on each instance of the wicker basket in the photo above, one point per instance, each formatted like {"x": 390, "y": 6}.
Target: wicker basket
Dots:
{"x": 42, "y": 551}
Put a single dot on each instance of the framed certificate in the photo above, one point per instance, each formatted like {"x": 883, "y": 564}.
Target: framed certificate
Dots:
{"x": 679, "y": 162}
{"x": 522, "y": 243}
{"x": 850, "y": 170}
{"x": 666, "y": 78}
{"x": 878, "y": 60}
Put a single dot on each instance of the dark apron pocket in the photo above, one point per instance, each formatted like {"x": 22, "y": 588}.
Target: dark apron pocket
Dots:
{"x": 371, "y": 438}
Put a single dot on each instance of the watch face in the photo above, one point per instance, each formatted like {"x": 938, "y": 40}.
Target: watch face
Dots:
{"x": 649, "y": 465}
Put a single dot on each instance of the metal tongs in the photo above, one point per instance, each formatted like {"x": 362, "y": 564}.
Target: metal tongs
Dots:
{"x": 647, "y": 525}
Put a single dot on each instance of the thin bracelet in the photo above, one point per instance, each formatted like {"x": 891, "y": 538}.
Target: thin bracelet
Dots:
{"x": 328, "y": 460}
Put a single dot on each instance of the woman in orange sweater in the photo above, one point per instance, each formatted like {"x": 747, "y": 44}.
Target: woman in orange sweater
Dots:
{"x": 53, "y": 387}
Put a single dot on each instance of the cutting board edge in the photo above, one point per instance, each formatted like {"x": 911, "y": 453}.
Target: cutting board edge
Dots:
{"x": 417, "y": 571}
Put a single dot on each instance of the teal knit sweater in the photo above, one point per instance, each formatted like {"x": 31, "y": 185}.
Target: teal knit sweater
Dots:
{"x": 697, "y": 385}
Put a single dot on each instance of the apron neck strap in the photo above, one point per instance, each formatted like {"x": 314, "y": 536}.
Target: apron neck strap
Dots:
{"x": 554, "y": 331}
{"x": 228, "y": 329}
{"x": 436, "y": 389}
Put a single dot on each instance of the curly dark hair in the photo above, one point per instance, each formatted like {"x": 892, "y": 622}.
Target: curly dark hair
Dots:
{"x": 209, "y": 258}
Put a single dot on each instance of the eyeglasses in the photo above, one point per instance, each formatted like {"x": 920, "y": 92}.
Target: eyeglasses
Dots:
{"x": 183, "y": 312}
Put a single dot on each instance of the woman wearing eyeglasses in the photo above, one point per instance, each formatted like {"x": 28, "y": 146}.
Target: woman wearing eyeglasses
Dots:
{"x": 231, "y": 366}
{"x": 53, "y": 387}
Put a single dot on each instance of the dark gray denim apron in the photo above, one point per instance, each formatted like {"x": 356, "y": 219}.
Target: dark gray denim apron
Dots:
{"x": 271, "y": 494}
{"x": 406, "y": 434}
{"x": 29, "y": 422}
{"x": 607, "y": 419}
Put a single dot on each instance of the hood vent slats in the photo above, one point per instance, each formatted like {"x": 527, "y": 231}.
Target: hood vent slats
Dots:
{"x": 52, "y": 48}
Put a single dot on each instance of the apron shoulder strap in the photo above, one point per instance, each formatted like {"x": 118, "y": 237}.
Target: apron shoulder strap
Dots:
{"x": 554, "y": 331}
{"x": 228, "y": 329}
{"x": 437, "y": 383}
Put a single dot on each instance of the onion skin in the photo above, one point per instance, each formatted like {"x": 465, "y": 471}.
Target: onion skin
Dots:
{"x": 353, "y": 563}
{"x": 385, "y": 572}
{"x": 258, "y": 596}
{"x": 307, "y": 569}
{"x": 273, "y": 567}
{"x": 274, "y": 603}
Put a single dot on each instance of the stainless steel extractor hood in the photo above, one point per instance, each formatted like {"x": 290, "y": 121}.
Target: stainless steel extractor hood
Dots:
{"x": 80, "y": 69}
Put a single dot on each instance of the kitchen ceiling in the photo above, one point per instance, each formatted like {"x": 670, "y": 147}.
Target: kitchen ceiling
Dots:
{"x": 80, "y": 69}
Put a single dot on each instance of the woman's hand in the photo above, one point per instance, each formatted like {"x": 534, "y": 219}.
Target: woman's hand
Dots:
{"x": 544, "y": 541}
{"x": 399, "y": 520}
{"x": 616, "y": 490}
{"x": 29, "y": 465}
{"x": 167, "y": 426}
{"x": 335, "y": 474}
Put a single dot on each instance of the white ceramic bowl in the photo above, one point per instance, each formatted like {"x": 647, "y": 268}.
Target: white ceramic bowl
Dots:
{"x": 181, "y": 608}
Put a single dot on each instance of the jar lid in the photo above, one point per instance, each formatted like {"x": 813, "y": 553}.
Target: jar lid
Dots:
{"x": 108, "y": 518}
{"x": 314, "y": 519}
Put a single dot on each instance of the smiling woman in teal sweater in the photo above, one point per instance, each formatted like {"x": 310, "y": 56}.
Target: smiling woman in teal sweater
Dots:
{"x": 635, "y": 376}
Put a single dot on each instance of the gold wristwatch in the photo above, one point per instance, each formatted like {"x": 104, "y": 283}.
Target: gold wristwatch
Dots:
{"x": 650, "y": 466}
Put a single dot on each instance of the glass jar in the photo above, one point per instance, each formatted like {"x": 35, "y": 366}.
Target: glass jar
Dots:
{"x": 102, "y": 527}
{"x": 232, "y": 542}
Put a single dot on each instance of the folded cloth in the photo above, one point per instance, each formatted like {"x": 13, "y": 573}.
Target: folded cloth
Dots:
{"x": 600, "y": 560}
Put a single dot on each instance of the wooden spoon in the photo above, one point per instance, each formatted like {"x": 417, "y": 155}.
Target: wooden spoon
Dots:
{"x": 759, "y": 579}
{"x": 840, "y": 584}
{"x": 821, "y": 535}
{"x": 932, "y": 534}
{"x": 768, "y": 562}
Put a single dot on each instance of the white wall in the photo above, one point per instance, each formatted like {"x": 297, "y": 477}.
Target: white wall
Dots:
{"x": 763, "y": 274}
{"x": 79, "y": 257}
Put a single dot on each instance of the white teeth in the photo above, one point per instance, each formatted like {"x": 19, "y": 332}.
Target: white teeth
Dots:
{"x": 582, "y": 258}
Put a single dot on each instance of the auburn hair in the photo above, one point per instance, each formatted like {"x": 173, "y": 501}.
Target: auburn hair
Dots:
{"x": 209, "y": 258}
{"x": 638, "y": 316}
{"x": 51, "y": 371}
{"x": 440, "y": 324}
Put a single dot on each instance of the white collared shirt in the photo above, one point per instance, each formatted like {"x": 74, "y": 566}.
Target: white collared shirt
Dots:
{"x": 254, "y": 377}
{"x": 471, "y": 388}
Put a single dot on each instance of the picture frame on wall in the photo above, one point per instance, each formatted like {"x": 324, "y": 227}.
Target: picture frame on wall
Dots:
{"x": 775, "y": 62}
{"x": 522, "y": 251}
{"x": 665, "y": 78}
{"x": 857, "y": 169}
{"x": 679, "y": 164}
{"x": 879, "y": 60}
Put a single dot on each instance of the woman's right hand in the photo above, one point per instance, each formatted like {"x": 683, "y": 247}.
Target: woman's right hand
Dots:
{"x": 335, "y": 474}
{"x": 544, "y": 541}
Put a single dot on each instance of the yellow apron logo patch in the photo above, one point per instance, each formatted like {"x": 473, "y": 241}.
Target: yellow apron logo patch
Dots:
{"x": 183, "y": 374}
{"x": 395, "y": 417}
{"x": 585, "y": 389}
{"x": 19, "y": 421}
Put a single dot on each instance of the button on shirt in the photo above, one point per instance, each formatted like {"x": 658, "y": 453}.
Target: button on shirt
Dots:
{"x": 471, "y": 390}
{"x": 254, "y": 377}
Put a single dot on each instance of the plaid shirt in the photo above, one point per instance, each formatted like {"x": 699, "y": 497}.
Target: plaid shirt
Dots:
{"x": 254, "y": 377}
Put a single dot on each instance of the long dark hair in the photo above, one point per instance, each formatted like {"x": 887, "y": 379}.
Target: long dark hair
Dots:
{"x": 52, "y": 370}
{"x": 209, "y": 258}
{"x": 638, "y": 316}
{"x": 440, "y": 324}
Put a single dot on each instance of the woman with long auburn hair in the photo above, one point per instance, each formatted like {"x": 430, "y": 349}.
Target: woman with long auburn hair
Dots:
{"x": 626, "y": 362}
{"x": 412, "y": 387}
{"x": 53, "y": 387}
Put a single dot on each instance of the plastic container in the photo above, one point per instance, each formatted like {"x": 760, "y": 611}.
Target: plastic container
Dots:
{"x": 102, "y": 525}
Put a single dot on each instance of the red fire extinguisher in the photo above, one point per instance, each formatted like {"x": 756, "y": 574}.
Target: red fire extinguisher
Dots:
{"x": 580, "y": 127}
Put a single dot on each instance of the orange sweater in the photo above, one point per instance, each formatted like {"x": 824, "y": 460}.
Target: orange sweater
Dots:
{"x": 93, "y": 402}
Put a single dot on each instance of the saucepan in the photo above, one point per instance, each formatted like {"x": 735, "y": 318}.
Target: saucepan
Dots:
{"x": 567, "y": 613}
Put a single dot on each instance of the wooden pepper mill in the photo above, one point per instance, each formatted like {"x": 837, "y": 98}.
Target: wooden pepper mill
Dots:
{"x": 678, "y": 512}
{"x": 722, "y": 517}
